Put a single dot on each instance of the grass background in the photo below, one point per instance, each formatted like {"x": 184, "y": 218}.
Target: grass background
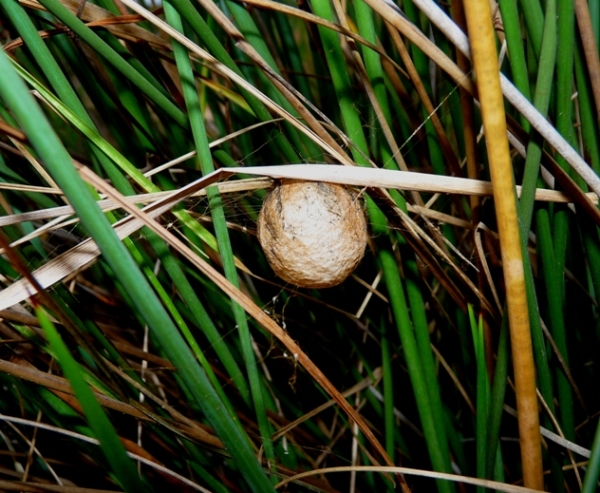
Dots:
{"x": 173, "y": 358}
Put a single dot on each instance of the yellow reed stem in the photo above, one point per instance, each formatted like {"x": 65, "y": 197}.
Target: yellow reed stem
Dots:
{"x": 481, "y": 35}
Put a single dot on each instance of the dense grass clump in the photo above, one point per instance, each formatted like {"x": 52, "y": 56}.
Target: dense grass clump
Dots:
{"x": 145, "y": 342}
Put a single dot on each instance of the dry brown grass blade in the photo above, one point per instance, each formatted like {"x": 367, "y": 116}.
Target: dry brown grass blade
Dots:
{"x": 365, "y": 383}
{"x": 493, "y": 485}
{"x": 245, "y": 302}
{"x": 427, "y": 104}
{"x": 98, "y": 16}
{"x": 481, "y": 34}
{"x": 62, "y": 388}
{"x": 86, "y": 252}
{"x": 586, "y": 31}
{"x": 84, "y": 438}
{"x": 7, "y": 129}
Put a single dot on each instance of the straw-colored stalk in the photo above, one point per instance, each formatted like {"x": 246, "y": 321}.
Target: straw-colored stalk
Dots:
{"x": 481, "y": 34}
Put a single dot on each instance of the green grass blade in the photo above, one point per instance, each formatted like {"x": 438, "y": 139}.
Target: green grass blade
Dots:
{"x": 590, "y": 482}
{"x": 111, "y": 56}
{"x": 556, "y": 320}
{"x": 498, "y": 392}
{"x": 50, "y": 149}
{"x": 541, "y": 101}
{"x": 388, "y": 395}
{"x": 482, "y": 401}
{"x": 193, "y": 18}
{"x": 411, "y": 352}
{"x": 218, "y": 215}
{"x": 114, "y": 451}
{"x": 514, "y": 40}
{"x": 341, "y": 83}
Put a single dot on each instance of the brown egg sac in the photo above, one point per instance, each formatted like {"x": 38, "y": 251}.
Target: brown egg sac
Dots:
{"x": 313, "y": 234}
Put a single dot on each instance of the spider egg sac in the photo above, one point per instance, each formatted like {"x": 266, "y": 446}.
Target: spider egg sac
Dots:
{"x": 313, "y": 234}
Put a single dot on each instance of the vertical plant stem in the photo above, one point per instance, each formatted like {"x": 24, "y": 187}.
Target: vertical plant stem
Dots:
{"x": 205, "y": 159}
{"x": 541, "y": 101}
{"x": 413, "y": 361}
{"x": 497, "y": 397}
{"x": 481, "y": 34}
{"x": 564, "y": 74}
{"x": 482, "y": 403}
{"x": 554, "y": 293}
{"x": 388, "y": 393}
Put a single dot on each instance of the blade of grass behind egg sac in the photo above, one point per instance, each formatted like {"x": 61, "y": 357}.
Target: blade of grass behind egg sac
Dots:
{"x": 32, "y": 120}
{"x": 353, "y": 128}
{"x": 341, "y": 82}
{"x": 216, "y": 206}
{"x": 252, "y": 35}
{"x": 114, "y": 451}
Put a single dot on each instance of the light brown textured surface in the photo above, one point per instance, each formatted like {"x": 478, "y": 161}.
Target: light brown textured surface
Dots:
{"x": 313, "y": 234}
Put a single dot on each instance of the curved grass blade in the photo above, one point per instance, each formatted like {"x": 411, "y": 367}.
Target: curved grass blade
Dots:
{"x": 218, "y": 215}
{"x": 114, "y": 451}
{"x": 46, "y": 143}
{"x": 116, "y": 60}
